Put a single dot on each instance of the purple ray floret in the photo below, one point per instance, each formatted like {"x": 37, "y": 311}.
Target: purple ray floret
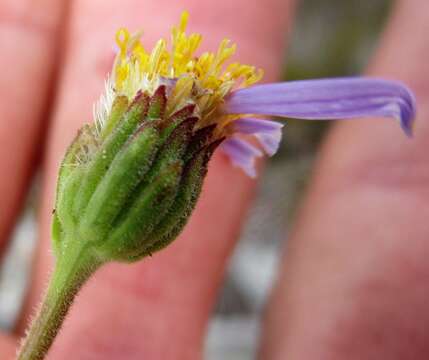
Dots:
{"x": 253, "y": 126}
{"x": 270, "y": 142}
{"x": 242, "y": 154}
{"x": 341, "y": 98}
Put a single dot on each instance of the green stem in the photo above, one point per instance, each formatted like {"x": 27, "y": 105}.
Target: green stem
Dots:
{"x": 70, "y": 273}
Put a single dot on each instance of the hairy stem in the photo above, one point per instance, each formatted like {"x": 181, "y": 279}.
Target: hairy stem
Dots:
{"x": 69, "y": 275}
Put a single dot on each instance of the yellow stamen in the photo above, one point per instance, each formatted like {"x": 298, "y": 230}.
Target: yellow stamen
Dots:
{"x": 204, "y": 80}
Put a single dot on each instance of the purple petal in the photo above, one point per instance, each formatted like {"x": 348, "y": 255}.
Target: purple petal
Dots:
{"x": 242, "y": 154}
{"x": 267, "y": 132}
{"x": 327, "y": 99}
{"x": 270, "y": 141}
{"x": 253, "y": 126}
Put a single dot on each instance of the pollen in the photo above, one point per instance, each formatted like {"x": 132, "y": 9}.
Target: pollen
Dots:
{"x": 204, "y": 79}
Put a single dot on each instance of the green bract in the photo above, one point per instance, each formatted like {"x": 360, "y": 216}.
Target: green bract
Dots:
{"x": 128, "y": 190}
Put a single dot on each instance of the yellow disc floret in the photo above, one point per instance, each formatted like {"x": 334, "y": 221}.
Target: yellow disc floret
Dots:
{"x": 204, "y": 80}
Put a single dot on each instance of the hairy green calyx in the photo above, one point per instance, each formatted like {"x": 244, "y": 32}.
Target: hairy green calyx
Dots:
{"x": 127, "y": 190}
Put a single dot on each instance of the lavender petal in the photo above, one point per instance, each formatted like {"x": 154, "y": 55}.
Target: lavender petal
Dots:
{"x": 242, "y": 154}
{"x": 327, "y": 99}
{"x": 253, "y": 126}
{"x": 270, "y": 142}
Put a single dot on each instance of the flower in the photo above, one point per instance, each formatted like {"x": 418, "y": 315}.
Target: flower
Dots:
{"x": 130, "y": 181}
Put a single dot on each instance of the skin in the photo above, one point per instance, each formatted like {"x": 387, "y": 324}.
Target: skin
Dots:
{"x": 353, "y": 283}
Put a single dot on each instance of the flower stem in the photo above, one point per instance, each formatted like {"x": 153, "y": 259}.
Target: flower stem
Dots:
{"x": 69, "y": 275}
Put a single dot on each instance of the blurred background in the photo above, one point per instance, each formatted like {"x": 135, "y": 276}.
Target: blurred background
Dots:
{"x": 330, "y": 38}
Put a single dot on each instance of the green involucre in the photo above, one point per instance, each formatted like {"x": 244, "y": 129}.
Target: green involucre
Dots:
{"x": 128, "y": 189}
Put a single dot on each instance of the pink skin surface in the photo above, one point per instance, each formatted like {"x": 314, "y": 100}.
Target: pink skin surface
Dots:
{"x": 354, "y": 280}
{"x": 354, "y": 283}
{"x": 156, "y": 309}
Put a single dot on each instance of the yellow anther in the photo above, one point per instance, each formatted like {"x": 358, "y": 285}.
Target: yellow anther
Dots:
{"x": 183, "y": 21}
{"x": 122, "y": 38}
{"x": 204, "y": 79}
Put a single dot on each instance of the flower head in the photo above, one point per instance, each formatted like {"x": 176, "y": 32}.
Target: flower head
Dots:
{"x": 129, "y": 182}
